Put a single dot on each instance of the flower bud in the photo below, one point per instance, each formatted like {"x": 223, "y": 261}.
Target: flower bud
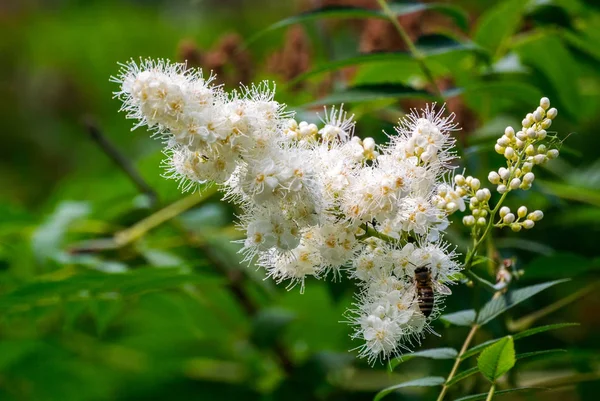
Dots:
{"x": 499, "y": 149}
{"x": 460, "y": 191}
{"x": 475, "y": 184}
{"x": 516, "y": 227}
{"x": 487, "y": 193}
{"x": 504, "y": 210}
{"x": 451, "y": 206}
{"x": 538, "y": 114}
{"x": 515, "y": 182}
{"x": 474, "y": 201}
{"x": 539, "y": 159}
{"x": 542, "y": 149}
{"x": 536, "y": 215}
{"x": 525, "y": 186}
{"x": 509, "y": 152}
{"x": 521, "y": 135}
{"x": 468, "y": 221}
{"x": 528, "y": 224}
{"x": 528, "y": 178}
{"x": 503, "y": 141}
{"x": 509, "y": 132}
{"x": 552, "y": 113}
{"x": 545, "y": 103}
{"x": 504, "y": 173}
{"x": 519, "y": 143}
{"x": 480, "y": 194}
{"x": 527, "y": 167}
{"x": 509, "y": 218}
{"x": 531, "y": 133}
{"x": 459, "y": 180}
{"x": 502, "y": 189}
{"x": 552, "y": 154}
{"x": 530, "y": 150}
{"x": 541, "y": 134}
{"x": 494, "y": 177}
{"x": 481, "y": 221}
{"x": 369, "y": 144}
{"x": 546, "y": 123}
{"x": 522, "y": 212}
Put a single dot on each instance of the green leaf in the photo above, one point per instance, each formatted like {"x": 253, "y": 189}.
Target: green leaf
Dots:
{"x": 497, "y": 359}
{"x": 269, "y": 324}
{"x": 501, "y": 304}
{"x": 572, "y": 192}
{"x": 530, "y": 332}
{"x": 542, "y": 329}
{"x": 462, "y": 375}
{"x": 431, "y": 381}
{"x": 461, "y": 318}
{"x": 399, "y": 9}
{"x": 536, "y": 353}
{"x": 483, "y": 396}
{"x": 434, "y": 353}
{"x": 366, "y": 93}
{"x": 496, "y": 25}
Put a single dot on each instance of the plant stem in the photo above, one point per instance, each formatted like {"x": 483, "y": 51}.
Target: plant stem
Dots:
{"x": 491, "y": 393}
{"x": 416, "y": 53}
{"x": 457, "y": 361}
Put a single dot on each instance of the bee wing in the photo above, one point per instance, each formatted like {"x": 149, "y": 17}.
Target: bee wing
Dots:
{"x": 441, "y": 288}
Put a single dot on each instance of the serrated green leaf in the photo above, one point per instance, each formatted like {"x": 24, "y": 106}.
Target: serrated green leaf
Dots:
{"x": 431, "y": 381}
{"x": 399, "y": 9}
{"x": 434, "y": 353}
{"x": 483, "y": 396}
{"x": 462, "y": 375}
{"x": 497, "y": 359}
{"x": 524, "y": 355}
{"x": 501, "y": 304}
{"x": 498, "y": 23}
{"x": 461, "y": 318}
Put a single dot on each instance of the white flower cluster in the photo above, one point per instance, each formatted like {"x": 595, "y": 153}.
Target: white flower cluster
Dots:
{"x": 523, "y": 150}
{"x": 316, "y": 200}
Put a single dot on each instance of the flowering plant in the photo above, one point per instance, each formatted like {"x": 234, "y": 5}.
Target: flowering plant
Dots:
{"x": 319, "y": 201}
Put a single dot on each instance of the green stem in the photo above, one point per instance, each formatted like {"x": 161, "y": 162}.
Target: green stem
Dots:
{"x": 464, "y": 348}
{"x": 491, "y": 393}
{"x": 416, "y": 53}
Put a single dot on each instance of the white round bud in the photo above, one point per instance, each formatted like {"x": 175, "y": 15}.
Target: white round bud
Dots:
{"x": 509, "y": 153}
{"x": 499, "y": 149}
{"x": 475, "y": 184}
{"x": 483, "y": 213}
{"x": 541, "y": 134}
{"x": 528, "y": 224}
{"x": 536, "y": 215}
{"x": 516, "y": 227}
{"x": 538, "y": 114}
{"x": 503, "y": 141}
{"x": 542, "y": 149}
{"x": 552, "y": 154}
{"x": 487, "y": 193}
{"x": 514, "y": 183}
{"x": 552, "y": 113}
{"x": 459, "y": 180}
{"x": 546, "y": 123}
{"x": 480, "y": 194}
{"x": 460, "y": 191}
{"x": 527, "y": 167}
{"x": 539, "y": 159}
{"x": 528, "y": 178}
{"x": 504, "y": 173}
{"x": 531, "y": 133}
{"x": 474, "y": 201}
{"x": 494, "y": 177}
{"x": 369, "y": 144}
{"x": 530, "y": 150}
{"x": 545, "y": 103}
{"x": 520, "y": 143}
{"x": 509, "y": 218}
{"x": 476, "y": 212}
{"x": 504, "y": 210}
{"x": 468, "y": 221}
{"x": 521, "y": 135}
{"x": 522, "y": 212}
{"x": 481, "y": 221}
{"x": 525, "y": 186}
{"x": 502, "y": 189}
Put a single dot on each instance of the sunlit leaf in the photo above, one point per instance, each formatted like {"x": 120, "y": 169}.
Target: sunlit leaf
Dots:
{"x": 424, "y": 382}
{"x": 497, "y": 359}
{"x": 500, "y": 304}
{"x": 498, "y": 23}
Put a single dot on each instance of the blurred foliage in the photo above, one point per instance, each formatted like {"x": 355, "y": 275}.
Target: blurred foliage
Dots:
{"x": 90, "y": 313}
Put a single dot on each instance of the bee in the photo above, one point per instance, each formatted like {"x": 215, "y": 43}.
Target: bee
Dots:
{"x": 426, "y": 288}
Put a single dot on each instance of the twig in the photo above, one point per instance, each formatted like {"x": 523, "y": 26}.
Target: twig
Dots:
{"x": 118, "y": 158}
{"x": 415, "y": 52}
{"x": 458, "y": 360}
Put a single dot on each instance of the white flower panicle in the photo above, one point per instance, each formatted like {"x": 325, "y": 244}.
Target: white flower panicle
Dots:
{"x": 317, "y": 200}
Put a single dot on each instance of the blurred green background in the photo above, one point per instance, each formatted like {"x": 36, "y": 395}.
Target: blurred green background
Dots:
{"x": 166, "y": 312}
